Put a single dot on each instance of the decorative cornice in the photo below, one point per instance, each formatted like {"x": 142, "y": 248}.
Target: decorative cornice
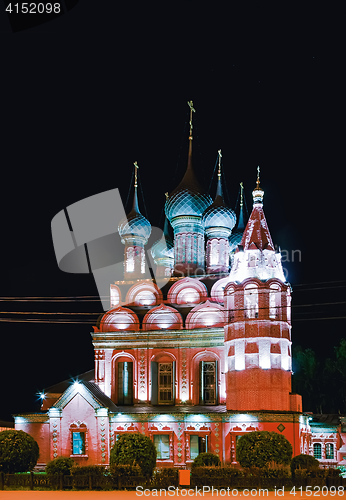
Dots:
{"x": 206, "y": 337}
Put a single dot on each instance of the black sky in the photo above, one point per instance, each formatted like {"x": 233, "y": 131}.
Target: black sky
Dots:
{"x": 87, "y": 94}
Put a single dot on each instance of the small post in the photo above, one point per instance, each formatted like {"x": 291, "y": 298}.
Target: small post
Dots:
{"x": 90, "y": 482}
{"x": 61, "y": 481}
{"x": 2, "y": 481}
{"x": 31, "y": 480}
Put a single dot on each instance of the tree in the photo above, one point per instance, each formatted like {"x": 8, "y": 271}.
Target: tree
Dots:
{"x": 307, "y": 379}
{"x": 260, "y": 448}
{"x": 135, "y": 449}
{"x": 60, "y": 465}
{"x": 303, "y": 462}
{"x": 18, "y": 452}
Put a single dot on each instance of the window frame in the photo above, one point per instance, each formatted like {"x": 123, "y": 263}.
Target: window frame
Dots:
{"x": 202, "y": 400}
{"x": 155, "y": 382}
{"x": 331, "y": 454}
{"x": 315, "y": 447}
{"x": 201, "y": 434}
{"x": 82, "y": 430}
{"x": 159, "y": 435}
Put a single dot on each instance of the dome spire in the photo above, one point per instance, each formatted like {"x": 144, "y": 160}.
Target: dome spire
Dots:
{"x": 192, "y": 110}
{"x": 258, "y": 193}
{"x": 135, "y": 197}
{"x": 241, "y": 224}
{"x": 219, "y": 186}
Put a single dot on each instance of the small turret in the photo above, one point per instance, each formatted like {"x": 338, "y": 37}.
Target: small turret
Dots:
{"x": 218, "y": 221}
{"x": 184, "y": 208}
{"x": 134, "y": 232}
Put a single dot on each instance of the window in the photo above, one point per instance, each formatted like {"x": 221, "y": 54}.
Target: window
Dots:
{"x": 274, "y": 301}
{"x": 165, "y": 383}
{"x": 125, "y": 382}
{"x": 251, "y": 301}
{"x": 162, "y": 382}
{"x": 161, "y": 442}
{"x": 78, "y": 443}
{"x": 208, "y": 385}
{"x": 329, "y": 451}
{"x": 130, "y": 260}
{"x": 198, "y": 444}
{"x": 317, "y": 450}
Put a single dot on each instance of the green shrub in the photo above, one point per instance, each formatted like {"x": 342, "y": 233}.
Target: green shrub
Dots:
{"x": 215, "y": 476}
{"x": 342, "y": 470}
{"x": 132, "y": 449}
{"x": 89, "y": 470}
{"x": 125, "y": 470}
{"x": 206, "y": 459}
{"x": 18, "y": 452}
{"x": 314, "y": 472}
{"x": 260, "y": 448}
{"x": 333, "y": 472}
{"x": 271, "y": 471}
{"x": 165, "y": 477}
{"x": 303, "y": 462}
{"x": 60, "y": 465}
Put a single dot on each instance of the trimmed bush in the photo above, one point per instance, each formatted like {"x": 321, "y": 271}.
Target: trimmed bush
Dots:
{"x": 303, "y": 462}
{"x": 260, "y": 448}
{"x": 270, "y": 471}
{"x": 135, "y": 449}
{"x": 60, "y": 465}
{"x": 89, "y": 470}
{"x": 215, "y": 476}
{"x": 206, "y": 459}
{"x": 18, "y": 452}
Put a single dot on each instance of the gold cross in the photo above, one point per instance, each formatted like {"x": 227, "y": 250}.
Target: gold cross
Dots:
{"x": 192, "y": 109}
{"x": 136, "y": 168}
{"x": 241, "y": 194}
{"x": 219, "y": 171}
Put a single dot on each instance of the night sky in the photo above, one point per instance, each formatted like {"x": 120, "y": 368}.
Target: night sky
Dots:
{"x": 90, "y": 92}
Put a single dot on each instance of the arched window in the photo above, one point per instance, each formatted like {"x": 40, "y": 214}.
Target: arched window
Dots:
{"x": 130, "y": 260}
{"x": 318, "y": 450}
{"x": 78, "y": 439}
{"x": 163, "y": 381}
{"x": 274, "y": 301}
{"x": 329, "y": 451}
{"x": 251, "y": 301}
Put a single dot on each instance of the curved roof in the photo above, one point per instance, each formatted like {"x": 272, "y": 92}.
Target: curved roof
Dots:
{"x": 188, "y": 198}
{"x": 162, "y": 317}
{"x": 135, "y": 224}
{"x": 119, "y": 318}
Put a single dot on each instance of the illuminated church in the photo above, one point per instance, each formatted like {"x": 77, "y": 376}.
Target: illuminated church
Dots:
{"x": 193, "y": 357}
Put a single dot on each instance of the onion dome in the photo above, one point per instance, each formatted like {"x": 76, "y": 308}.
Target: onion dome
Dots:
{"x": 189, "y": 198}
{"x": 218, "y": 214}
{"x": 237, "y": 233}
{"x": 135, "y": 225}
{"x": 164, "y": 247}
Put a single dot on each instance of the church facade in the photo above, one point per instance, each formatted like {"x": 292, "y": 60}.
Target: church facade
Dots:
{"x": 195, "y": 357}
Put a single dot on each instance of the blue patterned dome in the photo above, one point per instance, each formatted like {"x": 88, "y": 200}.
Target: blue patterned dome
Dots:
{"x": 135, "y": 224}
{"x": 164, "y": 247}
{"x": 188, "y": 198}
{"x": 235, "y": 240}
{"x": 237, "y": 234}
{"x": 218, "y": 215}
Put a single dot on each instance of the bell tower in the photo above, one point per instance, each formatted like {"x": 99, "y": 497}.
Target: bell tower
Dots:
{"x": 258, "y": 327}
